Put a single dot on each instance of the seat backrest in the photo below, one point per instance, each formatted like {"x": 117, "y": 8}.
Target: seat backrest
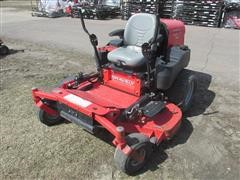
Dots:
{"x": 140, "y": 28}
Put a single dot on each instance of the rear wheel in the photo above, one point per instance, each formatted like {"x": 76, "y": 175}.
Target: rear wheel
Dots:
{"x": 48, "y": 119}
{"x": 142, "y": 149}
{"x": 191, "y": 86}
{"x": 183, "y": 89}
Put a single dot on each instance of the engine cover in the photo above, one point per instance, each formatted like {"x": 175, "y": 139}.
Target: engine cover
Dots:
{"x": 176, "y": 31}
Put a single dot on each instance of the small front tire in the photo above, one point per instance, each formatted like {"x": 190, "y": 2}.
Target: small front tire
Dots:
{"x": 142, "y": 149}
{"x": 49, "y": 120}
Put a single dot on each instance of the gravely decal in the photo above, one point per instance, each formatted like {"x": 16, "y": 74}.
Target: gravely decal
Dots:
{"x": 122, "y": 80}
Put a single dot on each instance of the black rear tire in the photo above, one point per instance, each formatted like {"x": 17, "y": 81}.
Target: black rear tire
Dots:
{"x": 4, "y": 50}
{"x": 142, "y": 149}
{"x": 49, "y": 120}
{"x": 183, "y": 89}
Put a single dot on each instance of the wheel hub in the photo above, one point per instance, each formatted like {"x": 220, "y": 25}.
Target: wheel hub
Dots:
{"x": 138, "y": 157}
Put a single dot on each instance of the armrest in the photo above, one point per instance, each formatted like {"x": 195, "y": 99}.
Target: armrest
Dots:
{"x": 116, "y": 42}
{"x": 118, "y": 32}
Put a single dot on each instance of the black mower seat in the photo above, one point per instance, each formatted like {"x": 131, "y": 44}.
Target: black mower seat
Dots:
{"x": 140, "y": 28}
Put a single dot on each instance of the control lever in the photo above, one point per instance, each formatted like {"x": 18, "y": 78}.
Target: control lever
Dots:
{"x": 94, "y": 41}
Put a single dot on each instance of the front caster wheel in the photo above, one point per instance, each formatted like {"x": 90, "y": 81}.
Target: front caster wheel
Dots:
{"x": 49, "y": 120}
{"x": 142, "y": 149}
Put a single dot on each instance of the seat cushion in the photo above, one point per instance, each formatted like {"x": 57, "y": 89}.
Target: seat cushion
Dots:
{"x": 130, "y": 56}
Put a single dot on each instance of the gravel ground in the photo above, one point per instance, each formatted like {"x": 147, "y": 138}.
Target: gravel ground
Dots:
{"x": 206, "y": 147}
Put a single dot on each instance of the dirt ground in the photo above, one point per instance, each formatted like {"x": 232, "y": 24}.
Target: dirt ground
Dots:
{"x": 206, "y": 147}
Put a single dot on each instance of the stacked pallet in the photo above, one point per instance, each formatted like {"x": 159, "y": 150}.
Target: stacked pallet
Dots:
{"x": 125, "y": 9}
{"x": 166, "y": 8}
{"x": 201, "y": 13}
{"x": 177, "y": 8}
{"x": 193, "y": 12}
{"x": 131, "y": 7}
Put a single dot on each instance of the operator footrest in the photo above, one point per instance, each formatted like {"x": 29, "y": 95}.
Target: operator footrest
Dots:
{"x": 153, "y": 108}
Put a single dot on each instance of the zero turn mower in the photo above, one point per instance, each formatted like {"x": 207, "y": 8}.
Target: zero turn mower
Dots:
{"x": 128, "y": 95}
